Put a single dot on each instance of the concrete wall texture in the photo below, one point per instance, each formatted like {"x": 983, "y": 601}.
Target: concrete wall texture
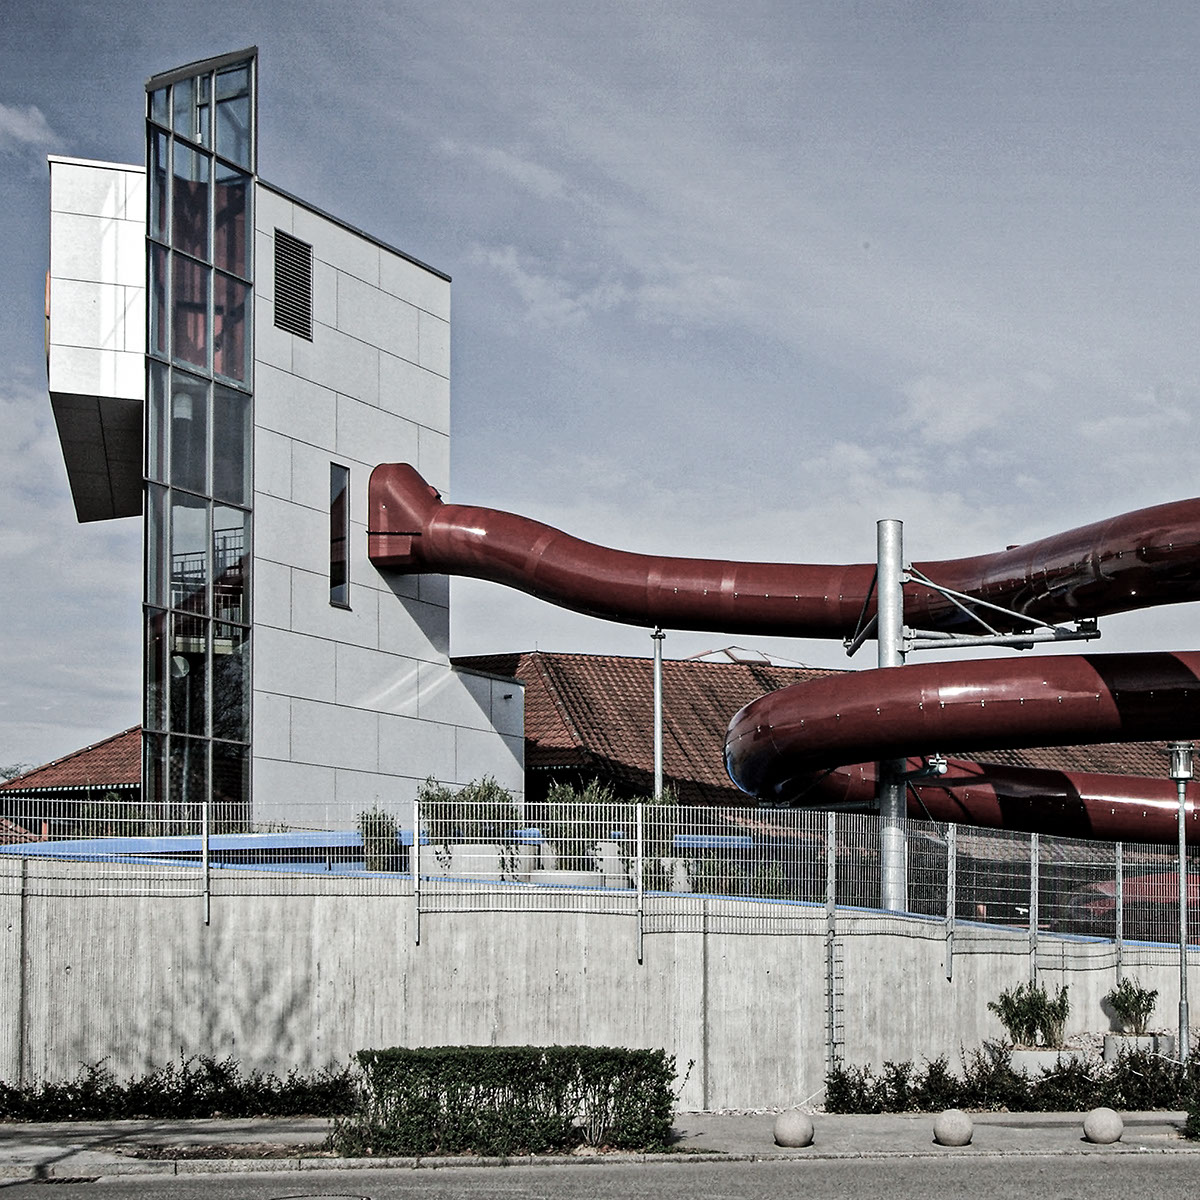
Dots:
{"x": 303, "y": 972}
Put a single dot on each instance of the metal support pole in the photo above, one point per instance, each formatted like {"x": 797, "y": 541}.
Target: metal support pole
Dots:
{"x": 833, "y": 1031}
{"x": 1035, "y": 883}
{"x": 1181, "y": 772}
{"x": 951, "y": 895}
{"x": 415, "y": 860}
{"x": 1119, "y": 932}
{"x": 893, "y": 800}
{"x": 204, "y": 813}
{"x": 658, "y": 637}
{"x": 641, "y": 894}
{"x": 1184, "y": 1023}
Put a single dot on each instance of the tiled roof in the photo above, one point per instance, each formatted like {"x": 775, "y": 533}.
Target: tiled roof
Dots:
{"x": 114, "y": 762}
{"x": 594, "y": 713}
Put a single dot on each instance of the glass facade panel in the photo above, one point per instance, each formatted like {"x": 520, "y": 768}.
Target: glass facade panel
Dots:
{"x": 231, "y": 445}
{"x": 230, "y": 789}
{"x": 231, "y": 300}
{"x": 156, "y": 419}
{"x": 198, "y": 446}
{"x": 231, "y": 220}
{"x": 189, "y": 553}
{"x": 159, "y": 107}
{"x": 187, "y": 767}
{"x": 183, "y": 108}
{"x": 154, "y": 715}
{"x": 188, "y": 669}
{"x": 189, "y": 311}
{"x": 160, "y": 284}
{"x": 230, "y": 559}
{"x": 231, "y": 682}
{"x": 234, "y": 115}
{"x": 189, "y": 432}
{"x": 156, "y": 546}
{"x": 159, "y": 193}
{"x": 190, "y": 201}
{"x": 339, "y": 534}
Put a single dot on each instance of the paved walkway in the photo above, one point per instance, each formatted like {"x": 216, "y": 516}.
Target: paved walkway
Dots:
{"x": 94, "y": 1149}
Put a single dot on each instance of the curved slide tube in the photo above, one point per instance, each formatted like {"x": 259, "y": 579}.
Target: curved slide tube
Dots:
{"x": 795, "y": 744}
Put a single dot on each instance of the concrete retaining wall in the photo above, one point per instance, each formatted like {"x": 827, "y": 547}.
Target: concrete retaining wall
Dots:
{"x": 301, "y": 971}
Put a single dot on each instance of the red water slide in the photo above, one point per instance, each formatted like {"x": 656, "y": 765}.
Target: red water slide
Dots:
{"x": 813, "y": 742}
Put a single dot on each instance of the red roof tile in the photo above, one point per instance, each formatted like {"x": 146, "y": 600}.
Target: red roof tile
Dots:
{"x": 594, "y": 713}
{"x": 114, "y": 762}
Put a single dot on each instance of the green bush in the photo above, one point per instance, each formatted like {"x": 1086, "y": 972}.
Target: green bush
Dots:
{"x": 381, "y": 851}
{"x": 1132, "y": 1004}
{"x": 193, "y": 1087}
{"x": 506, "y": 1100}
{"x": 1137, "y": 1081}
{"x": 1030, "y": 1017}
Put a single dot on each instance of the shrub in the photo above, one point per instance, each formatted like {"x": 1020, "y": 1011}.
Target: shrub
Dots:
{"x": 193, "y": 1087}
{"x": 1030, "y": 1017}
{"x": 1132, "y": 1004}
{"x": 381, "y": 852}
{"x": 504, "y": 1100}
{"x": 1137, "y": 1081}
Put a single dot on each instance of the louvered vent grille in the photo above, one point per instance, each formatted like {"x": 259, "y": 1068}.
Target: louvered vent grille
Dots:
{"x": 293, "y": 285}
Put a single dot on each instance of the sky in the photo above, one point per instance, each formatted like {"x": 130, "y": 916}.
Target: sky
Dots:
{"x": 733, "y": 280}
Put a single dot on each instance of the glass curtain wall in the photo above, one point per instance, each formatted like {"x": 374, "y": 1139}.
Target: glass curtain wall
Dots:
{"x": 201, "y": 164}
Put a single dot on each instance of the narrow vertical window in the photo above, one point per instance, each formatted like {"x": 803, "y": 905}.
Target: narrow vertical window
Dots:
{"x": 339, "y": 535}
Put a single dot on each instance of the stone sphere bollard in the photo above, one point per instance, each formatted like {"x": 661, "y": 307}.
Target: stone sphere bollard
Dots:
{"x": 793, "y": 1128}
{"x": 1103, "y": 1126}
{"x": 953, "y": 1128}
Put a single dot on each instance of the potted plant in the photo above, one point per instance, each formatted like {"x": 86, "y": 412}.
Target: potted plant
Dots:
{"x": 1132, "y": 1005}
{"x": 1035, "y": 1023}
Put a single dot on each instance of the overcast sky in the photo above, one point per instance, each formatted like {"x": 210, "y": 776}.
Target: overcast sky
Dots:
{"x": 731, "y": 279}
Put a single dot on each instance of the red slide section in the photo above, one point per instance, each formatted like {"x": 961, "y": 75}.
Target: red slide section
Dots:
{"x": 795, "y": 744}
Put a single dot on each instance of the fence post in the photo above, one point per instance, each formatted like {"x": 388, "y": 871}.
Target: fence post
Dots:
{"x": 641, "y": 894}
{"x": 951, "y": 894}
{"x": 1119, "y": 913}
{"x": 415, "y": 862}
{"x": 833, "y": 1030}
{"x": 205, "y": 861}
{"x": 1034, "y": 886}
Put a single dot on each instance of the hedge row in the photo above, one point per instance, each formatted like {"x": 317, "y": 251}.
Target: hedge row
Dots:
{"x": 1137, "y": 1081}
{"x": 193, "y": 1087}
{"x": 506, "y": 1100}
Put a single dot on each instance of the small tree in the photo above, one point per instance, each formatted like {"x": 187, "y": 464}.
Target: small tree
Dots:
{"x": 1030, "y": 1017}
{"x": 380, "y": 849}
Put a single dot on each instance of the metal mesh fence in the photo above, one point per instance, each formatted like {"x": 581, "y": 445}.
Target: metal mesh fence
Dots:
{"x": 677, "y": 868}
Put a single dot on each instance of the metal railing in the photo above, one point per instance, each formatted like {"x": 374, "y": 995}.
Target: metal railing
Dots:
{"x": 785, "y": 868}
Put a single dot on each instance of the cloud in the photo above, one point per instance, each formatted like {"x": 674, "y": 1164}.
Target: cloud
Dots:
{"x": 550, "y": 300}
{"x": 25, "y": 130}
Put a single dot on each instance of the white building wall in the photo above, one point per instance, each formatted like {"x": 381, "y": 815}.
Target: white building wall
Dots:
{"x": 97, "y": 288}
{"x": 355, "y": 708}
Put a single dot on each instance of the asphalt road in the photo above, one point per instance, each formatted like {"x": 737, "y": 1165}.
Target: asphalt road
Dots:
{"x": 1060, "y": 1177}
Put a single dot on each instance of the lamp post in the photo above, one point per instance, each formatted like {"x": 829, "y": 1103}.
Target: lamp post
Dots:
{"x": 1181, "y": 772}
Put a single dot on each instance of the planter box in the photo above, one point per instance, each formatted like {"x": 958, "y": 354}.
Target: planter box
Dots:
{"x": 1033, "y": 1062}
{"x": 1116, "y": 1044}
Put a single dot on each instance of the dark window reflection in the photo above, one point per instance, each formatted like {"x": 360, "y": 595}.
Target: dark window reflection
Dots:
{"x": 155, "y": 711}
{"x": 339, "y": 530}
{"x": 188, "y": 769}
{"x": 233, "y": 115}
{"x": 231, "y": 527}
{"x": 231, "y": 250}
{"x": 187, "y": 669}
{"x": 189, "y": 553}
{"x": 231, "y": 445}
{"x": 230, "y": 789}
{"x": 189, "y": 311}
{"x": 230, "y": 299}
{"x": 231, "y": 682}
{"x": 189, "y": 207}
